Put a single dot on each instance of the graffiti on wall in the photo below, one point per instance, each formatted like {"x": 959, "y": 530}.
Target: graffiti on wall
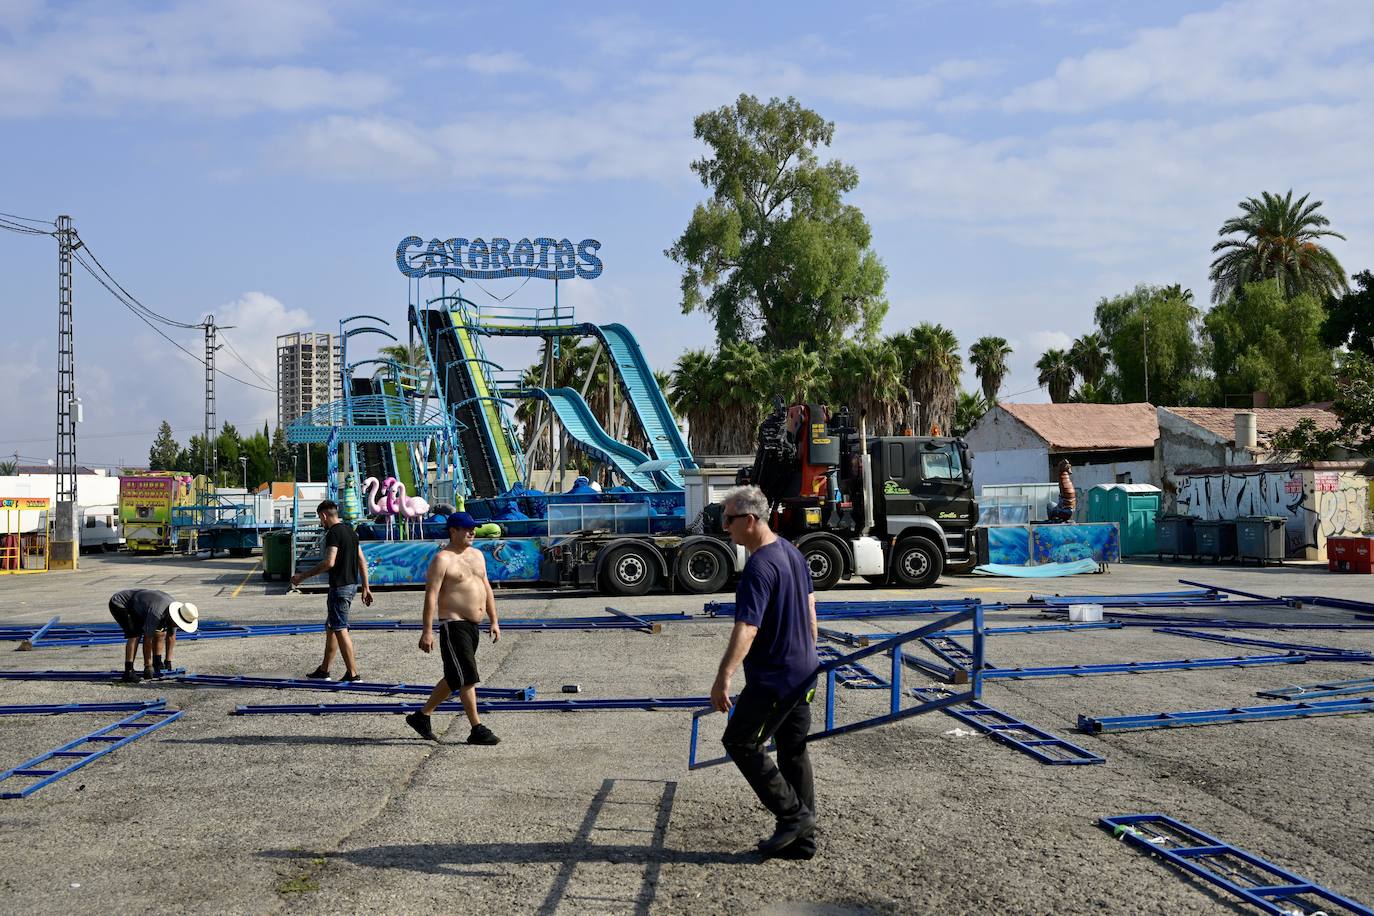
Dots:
{"x": 1314, "y": 505}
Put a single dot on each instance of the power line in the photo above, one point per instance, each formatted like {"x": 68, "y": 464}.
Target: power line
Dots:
{"x": 265, "y": 380}
{"x": 129, "y": 298}
{"x": 22, "y": 229}
{"x": 85, "y": 436}
{"x": 138, "y": 314}
{"x": 29, "y": 219}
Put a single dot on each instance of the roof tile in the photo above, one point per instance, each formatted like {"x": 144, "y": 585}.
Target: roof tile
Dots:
{"x": 1090, "y": 426}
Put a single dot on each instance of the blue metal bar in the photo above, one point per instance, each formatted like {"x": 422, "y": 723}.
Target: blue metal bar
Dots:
{"x": 37, "y": 634}
{"x": 643, "y": 624}
{"x": 948, "y": 675}
{"x": 853, "y": 675}
{"x": 1240, "y": 661}
{"x": 493, "y": 706}
{"x": 949, "y": 650}
{"x": 107, "y": 739}
{"x": 96, "y": 676}
{"x": 51, "y": 709}
{"x": 1234, "y": 714}
{"x": 1230, "y": 591}
{"x": 1185, "y": 846}
{"x": 1006, "y": 728}
{"x": 1181, "y": 595}
{"x": 1215, "y": 623}
{"x": 278, "y": 683}
{"x": 1041, "y": 628}
{"x": 849, "y": 610}
{"x": 1354, "y": 654}
{"x": 1324, "y": 689}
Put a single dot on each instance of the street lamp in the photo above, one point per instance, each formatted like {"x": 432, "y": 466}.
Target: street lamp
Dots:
{"x": 243, "y": 460}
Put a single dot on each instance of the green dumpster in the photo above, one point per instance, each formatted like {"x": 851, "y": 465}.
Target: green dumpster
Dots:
{"x": 276, "y": 555}
{"x": 1133, "y": 507}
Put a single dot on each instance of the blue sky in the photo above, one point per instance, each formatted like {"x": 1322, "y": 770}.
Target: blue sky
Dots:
{"x": 260, "y": 161}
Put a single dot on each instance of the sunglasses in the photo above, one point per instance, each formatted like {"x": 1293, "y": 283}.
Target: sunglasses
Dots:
{"x": 727, "y": 520}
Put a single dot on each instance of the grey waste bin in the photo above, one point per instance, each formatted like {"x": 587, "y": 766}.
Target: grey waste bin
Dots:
{"x": 1174, "y": 536}
{"x": 1261, "y": 538}
{"x": 1216, "y": 538}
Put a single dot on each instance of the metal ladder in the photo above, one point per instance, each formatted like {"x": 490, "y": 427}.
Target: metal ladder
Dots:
{"x": 1271, "y": 888}
{"x": 100, "y": 742}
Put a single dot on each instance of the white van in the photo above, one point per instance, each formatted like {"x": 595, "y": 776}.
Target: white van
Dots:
{"x": 100, "y": 529}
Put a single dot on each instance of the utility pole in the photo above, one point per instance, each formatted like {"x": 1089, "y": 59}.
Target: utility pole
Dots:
{"x": 64, "y": 549}
{"x": 210, "y": 460}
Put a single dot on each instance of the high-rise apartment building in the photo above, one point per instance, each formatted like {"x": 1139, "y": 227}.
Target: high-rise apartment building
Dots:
{"x": 307, "y": 373}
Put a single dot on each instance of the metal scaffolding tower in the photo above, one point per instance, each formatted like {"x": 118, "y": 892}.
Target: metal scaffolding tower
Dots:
{"x": 64, "y": 548}
{"x": 210, "y": 460}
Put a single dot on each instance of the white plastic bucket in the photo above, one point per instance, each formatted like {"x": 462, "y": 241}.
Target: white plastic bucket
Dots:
{"x": 1085, "y": 613}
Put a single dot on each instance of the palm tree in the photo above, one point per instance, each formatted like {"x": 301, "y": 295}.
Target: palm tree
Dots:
{"x": 988, "y": 355}
{"x": 1279, "y": 241}
{"x": 796, "y": 375}
{"x": 930, "y": 357}
{"x": 1056, "y": 373}
{"x": 867, "y": 377}
{"x": 413, "y": 360}
{"x": 1089, "y": 357}
{"x": 969, "y": 409}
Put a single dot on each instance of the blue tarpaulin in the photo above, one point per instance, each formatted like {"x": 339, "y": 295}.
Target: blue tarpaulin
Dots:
{"x": 1043, "y": 571}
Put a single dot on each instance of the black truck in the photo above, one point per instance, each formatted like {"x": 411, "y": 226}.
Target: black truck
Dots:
{"x": 892, "y": 509}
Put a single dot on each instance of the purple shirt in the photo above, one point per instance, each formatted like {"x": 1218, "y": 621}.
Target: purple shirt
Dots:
{"x": 773, "y": 595}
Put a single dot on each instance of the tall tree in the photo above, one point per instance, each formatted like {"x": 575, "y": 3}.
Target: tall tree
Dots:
{"x": 775, "y": 252}
{"x": 932, "y": 364}
{"x": 1089, "y": 356}
{"x": 692, "y": 395}
{"x": 798, "y": 375}
{"x": 1263, "y": 341}
{"x": 868, "y": 378}
{"x": 968, "y": 411}
{"x": 1056, "y": 374}
{"x": 1156, "y": 328}
{"x": 229, "y": 446}
{"x": 988, "y": 356}
{"x": 162, "y": 456}
{"x": 1350, "y": 318}
{"x": 282, "y": 465}
{"x": 1279, "y": 239}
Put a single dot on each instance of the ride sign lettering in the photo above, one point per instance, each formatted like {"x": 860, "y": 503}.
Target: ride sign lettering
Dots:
{"x": 483, "y": 259}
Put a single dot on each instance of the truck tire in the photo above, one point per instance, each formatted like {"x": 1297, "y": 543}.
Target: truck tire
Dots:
{"x": 825, "y": 563}
{"x": 917, "y": 562}
{"x": 629, "y": 570}
{"x": 701, "y": 569}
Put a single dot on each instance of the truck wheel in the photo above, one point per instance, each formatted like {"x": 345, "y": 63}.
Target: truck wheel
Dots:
{"x": 825, "y": 563}
{"x": 917, "y": 563}
{"x": 701, "y": 569}
{"x": 628, "y": 571}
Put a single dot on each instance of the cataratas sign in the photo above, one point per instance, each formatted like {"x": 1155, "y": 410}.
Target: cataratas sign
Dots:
{"x": 549, "y": 259}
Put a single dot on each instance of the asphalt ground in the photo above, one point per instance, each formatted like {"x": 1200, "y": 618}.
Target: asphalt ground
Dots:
{"x": 597, "y": 812}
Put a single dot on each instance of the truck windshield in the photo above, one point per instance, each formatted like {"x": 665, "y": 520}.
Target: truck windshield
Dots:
{"x": 941, "y": 464}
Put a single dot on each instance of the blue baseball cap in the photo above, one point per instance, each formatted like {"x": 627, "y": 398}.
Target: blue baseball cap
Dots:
{"x": 461, "y": 520}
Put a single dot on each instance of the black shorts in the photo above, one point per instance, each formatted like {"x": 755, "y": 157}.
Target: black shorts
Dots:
{"x": 126, "y": 622}
{"x": 458, "y": 647}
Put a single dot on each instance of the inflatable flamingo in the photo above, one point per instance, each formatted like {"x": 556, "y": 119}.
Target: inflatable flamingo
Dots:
{"x": 370, "y": 487}
{"x": 410, "y": 506}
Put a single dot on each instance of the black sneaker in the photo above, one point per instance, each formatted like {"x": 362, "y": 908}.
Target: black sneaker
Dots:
{"x": 130, "y": 677}
{"x": 350, "y": 678}
{"x": 319, "y": 674}
{"x": 420, "y": 722}
{"x": 802, "y": 850}
{"x": 480, "y": 734}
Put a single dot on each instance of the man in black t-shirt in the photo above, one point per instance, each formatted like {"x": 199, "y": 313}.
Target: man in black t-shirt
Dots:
{"x": 152, "y": 618}
{"x": 775, "y": 639}
{"x": 343, "y": 557}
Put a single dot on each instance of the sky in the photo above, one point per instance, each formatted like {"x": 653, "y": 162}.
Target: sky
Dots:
{"x": 1019, "y": 160}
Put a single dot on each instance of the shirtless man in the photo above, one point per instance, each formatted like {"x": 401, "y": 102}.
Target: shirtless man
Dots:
{"x": 457, "y": 590}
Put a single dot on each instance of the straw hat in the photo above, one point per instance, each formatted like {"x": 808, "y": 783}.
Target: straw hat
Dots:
{"x": 185, "y": 615}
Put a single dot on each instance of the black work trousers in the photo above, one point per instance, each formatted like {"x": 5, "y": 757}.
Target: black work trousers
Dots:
{"x": 785, "y": 788}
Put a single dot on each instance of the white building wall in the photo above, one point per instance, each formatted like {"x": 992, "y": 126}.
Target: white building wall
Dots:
{"x": 1005, "y": 450}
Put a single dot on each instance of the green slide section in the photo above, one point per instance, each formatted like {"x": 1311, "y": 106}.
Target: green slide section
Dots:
{"x": 491, "y": 411}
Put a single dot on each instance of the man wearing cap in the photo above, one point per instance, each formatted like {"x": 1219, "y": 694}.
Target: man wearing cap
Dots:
{"x": 153, "y": 618}
{"x": 458, "y": 593}
{"x": 347, "y": 566}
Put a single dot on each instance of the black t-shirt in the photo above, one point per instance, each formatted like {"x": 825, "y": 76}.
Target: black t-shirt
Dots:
{"x": 146, "y": 607}
{"x": 345, "y": 569}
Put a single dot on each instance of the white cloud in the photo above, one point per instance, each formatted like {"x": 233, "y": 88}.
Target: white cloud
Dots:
{"x": 495, "y": 64}
{"x": 1256, "y": 51}
{"x": 216, "y": 58}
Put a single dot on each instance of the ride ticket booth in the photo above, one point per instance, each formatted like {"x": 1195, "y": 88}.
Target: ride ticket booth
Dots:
{"x": 24, "y": 535}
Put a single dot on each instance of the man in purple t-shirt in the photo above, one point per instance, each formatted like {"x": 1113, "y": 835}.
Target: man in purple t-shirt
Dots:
{"x": 775, "y": 638}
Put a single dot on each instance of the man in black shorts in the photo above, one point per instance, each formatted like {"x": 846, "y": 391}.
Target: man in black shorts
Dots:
{"x": 347, "y": 566}
{"x": 457, "y": 591}
{"x": 152, "y": 618}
